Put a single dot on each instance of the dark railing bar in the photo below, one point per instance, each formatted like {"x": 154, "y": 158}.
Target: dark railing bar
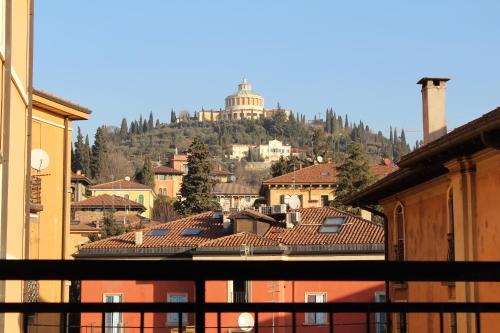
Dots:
{"x": 25, "y": 322}
{"x": 103, "y": 320}
{"x": 361, "y": 307}
{"x": 219, "y": 330}
{"x": 142, "y": 322}
{"x": 64, "y": 323}
{"x": 200, "y": 306}
{"x": 368, "y": 323}
{"x": 294, "y": 321}
{"x": 330, "y": 321}
{"x": 179, "y": 322}
{"x": 441, "y": 324}
{"x": 478, "y": 322}
{"x": 249, "y": 270}
{"x": 256, "y": 320}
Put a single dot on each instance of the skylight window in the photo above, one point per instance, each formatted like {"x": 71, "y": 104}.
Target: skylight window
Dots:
{"x": 332, "y": 224}
{"x": 325, "y": 173}
{"x": 158, "y": 232}
{"x": 190, "y": 232}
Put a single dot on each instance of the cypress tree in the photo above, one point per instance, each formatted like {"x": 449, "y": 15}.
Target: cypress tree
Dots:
{"x": 150, "y": 121}
{"x": 77, "y": 159}
{"x": 99, "y": 158}
{"x": 144, "y": 126}
{"x": 146, "y": 174}
{"x": 157, "y": 124}
{"x": 354, "y": 173}
{"x": 346, "y": 125}
{"x": 139, "y": 127}
{"x": 197, "y": 186}
{"x": 173, "y": 117}
{"x": 124, "y": 129}
{"x": 86, "y": 157}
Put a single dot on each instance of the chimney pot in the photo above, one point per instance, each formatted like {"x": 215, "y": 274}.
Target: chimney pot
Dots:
{"x": 433, "y": 107}
{"x": 138, "y": 238}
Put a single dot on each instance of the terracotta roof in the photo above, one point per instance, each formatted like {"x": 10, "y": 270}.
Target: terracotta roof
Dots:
{"x": 253, "y": 213}
{"x": 382, "y": 170}
{"x": 167, "y": 170}
{"x": 355, "y": 230}
{"x": 120, "y": 184}
{"x": 210, "y": 229}
{"x": 315, "y": 174}
{"x": 106, "y": 200}
{"x": 234, "y": 189}
{"x": 239, "y": 239}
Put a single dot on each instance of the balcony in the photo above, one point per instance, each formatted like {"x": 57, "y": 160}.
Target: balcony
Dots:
{"x": 200, "y": 272}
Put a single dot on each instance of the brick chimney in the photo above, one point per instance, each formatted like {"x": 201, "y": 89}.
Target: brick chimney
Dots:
{"x": 433, "y": 107}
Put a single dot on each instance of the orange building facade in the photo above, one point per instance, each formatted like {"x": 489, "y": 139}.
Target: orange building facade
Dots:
{"x": 443, "y": 204}
{"x": 247, "y": 235}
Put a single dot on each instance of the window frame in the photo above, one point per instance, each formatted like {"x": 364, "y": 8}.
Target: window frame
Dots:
{"x": 324, "y": 315}
{"x": 185, "y": 319}
{"x": 120, "y": 327}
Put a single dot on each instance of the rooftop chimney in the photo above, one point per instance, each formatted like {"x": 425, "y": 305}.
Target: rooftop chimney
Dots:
{"x": 138, "y": 238}
{"x": 433, "y": 107}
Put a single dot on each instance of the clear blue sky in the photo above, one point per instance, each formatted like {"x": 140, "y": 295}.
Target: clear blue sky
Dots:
{"x": 123, "y": 57}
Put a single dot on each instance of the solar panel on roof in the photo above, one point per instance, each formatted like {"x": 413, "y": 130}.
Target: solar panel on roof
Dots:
{"x": 158, "y": 232}
{"x": 190, "y": 232}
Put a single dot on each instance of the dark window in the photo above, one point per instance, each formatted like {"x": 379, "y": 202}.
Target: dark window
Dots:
{"x": 324, "y": 200}
{"x": 241, "y": 291}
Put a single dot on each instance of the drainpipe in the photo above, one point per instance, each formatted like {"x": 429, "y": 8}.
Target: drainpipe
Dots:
{"x": 386, "y": 254}
{"x": 29, "y": 131}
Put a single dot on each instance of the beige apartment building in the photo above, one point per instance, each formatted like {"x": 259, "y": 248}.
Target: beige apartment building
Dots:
{"x": 16, "y": 45}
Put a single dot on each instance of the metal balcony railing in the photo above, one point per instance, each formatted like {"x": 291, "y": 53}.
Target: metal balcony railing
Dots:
{"x": 202, "y": 271}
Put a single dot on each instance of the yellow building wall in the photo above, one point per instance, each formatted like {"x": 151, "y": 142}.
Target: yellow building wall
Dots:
{"x": 77, "y": 238}
{"x": 311, "y": 196}
{"x": 14, "y": 94}
{"x": 149, "y": 197}
{"x": 172, "y": 185}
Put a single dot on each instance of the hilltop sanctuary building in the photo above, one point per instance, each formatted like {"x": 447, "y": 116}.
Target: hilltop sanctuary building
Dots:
{"x": 243, "y": 104}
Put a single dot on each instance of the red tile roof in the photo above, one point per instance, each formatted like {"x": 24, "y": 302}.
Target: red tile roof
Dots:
{"x": 107, "y": 201}
{"x": 326, "y": 173}
{"x": 167, "y": 170}
{"x": 120, "y": 184}
{"x": 253, "y": 213}
{"x": 239, "y": 239}
{"x": 355, "y": 231}
{"x": 86, "y": 221}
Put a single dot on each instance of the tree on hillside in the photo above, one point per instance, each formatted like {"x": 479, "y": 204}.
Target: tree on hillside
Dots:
{"x": 163, "y": 209}
{"x": 99, "y": 159}
{"x": 145, "y": 175}
{"x": 86, "y": 157}
{"x": 150, "y": 121}
{"x": 78, "y": 154}
{"x": 173, "y": 117}
{"x": 124, "y": 129}
{"x": 354, "y": 174}
{"x": 197, "y": 185}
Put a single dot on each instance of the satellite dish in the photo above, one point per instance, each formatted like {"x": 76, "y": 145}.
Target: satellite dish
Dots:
{"x": 286, "y": 199}
{"x": 232, "y": 178}
{"x": 127, "y": 178}
{"x": 246, "y": 321}
{"x": 294, "y": 202}
{"x": 319, "y": 159}
{"x": 39, "y": 159}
